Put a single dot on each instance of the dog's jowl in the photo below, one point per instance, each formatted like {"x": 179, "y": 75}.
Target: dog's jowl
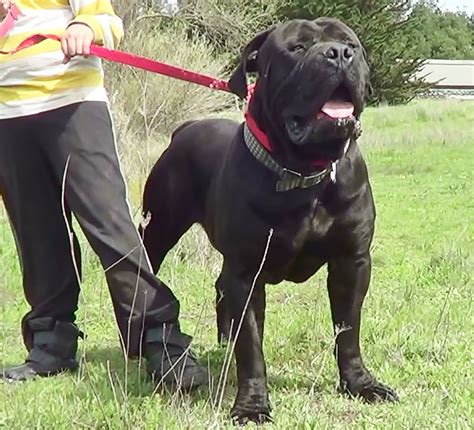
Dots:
{"x": 292, "y": 167}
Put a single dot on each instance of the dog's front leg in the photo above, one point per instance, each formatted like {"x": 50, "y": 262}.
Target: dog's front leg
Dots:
{"x": 247, "y": 316}
{"x": 348, "y": 281}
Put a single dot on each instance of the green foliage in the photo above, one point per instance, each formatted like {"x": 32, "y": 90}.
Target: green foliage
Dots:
{"x": 443, "y": 35}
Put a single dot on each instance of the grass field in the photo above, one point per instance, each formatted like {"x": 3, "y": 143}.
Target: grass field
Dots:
{"x": 418, "y": 322}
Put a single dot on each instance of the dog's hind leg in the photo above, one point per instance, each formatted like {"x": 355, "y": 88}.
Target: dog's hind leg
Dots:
{"x": 222, "y": 312}
{"x": 170, "y": 208}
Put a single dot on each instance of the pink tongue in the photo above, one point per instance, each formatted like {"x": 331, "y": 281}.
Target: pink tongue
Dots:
{"x": 338, "y": 109}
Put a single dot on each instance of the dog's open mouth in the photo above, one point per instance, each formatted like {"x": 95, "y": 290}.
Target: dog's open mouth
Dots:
{"x": 339, "y": 105}
{"x": 335, "y": 118}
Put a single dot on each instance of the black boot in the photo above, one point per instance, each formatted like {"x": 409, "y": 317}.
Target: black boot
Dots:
{"x": 170, "y": 362}
{"x": 54, "y": 347}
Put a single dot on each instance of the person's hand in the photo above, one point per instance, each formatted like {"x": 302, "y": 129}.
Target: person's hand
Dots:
{"x": 4, "y": 6}
{"x": 76, "y": 40}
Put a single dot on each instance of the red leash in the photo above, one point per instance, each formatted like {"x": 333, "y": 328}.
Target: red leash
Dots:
{"x": 134, "y": 61}
{"x": 140, "y": 63}
{"x": 115, "y": 55}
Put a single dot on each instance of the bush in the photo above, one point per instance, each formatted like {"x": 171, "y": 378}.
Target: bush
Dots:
{"x": 227, "y": 25}
{"x": 147, "y": 106}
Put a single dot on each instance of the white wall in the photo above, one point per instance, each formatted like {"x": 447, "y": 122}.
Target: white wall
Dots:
{"x": 450, "y": 73}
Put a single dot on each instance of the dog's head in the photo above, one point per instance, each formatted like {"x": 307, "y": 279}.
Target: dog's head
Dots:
{"x": 313, "y": 81}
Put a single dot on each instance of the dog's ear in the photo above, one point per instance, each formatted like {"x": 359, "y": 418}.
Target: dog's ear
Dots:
{"x": 248, "y": 64}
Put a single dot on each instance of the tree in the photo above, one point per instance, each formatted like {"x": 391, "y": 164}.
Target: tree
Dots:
{"x": 443, "y": 35}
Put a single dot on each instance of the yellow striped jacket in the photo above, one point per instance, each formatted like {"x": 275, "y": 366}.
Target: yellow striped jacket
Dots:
{"x": 36, "y": 79}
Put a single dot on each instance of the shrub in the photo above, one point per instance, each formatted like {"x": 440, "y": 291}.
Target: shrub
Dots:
{"x": 148, "y": 106}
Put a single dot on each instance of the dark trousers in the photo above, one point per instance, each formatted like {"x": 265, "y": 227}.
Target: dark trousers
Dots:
{"x": 34, "y": 153}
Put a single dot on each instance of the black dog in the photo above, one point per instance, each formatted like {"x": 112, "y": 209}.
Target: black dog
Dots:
{"x": 292, "y": 168}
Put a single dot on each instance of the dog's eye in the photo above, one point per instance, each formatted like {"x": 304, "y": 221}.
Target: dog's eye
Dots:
{"x": 298, "y": 48}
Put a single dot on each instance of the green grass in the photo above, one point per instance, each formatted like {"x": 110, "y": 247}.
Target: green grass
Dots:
{"x": 418, "y": 324}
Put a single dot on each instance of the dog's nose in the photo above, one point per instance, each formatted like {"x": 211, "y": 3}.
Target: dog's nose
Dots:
{"x": 339, "y": 53}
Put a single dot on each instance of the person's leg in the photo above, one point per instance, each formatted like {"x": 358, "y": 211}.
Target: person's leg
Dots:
{"x": 32, "y": 197}
{"x": 80, "y": 144}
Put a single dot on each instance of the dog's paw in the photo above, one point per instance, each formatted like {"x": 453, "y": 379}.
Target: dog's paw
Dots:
{"x": 378, "y": 392}
{"x": 241, "y": 416}
{"x": 251, "y": 405}
{"x": 370, "y": 393}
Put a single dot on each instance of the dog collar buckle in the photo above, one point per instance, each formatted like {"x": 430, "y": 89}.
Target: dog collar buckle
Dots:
{"x": 288, "y": 174}
{"x": 289, "y": 179}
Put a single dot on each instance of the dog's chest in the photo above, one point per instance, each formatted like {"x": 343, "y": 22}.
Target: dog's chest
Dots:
{"x": 295, "y": 230}
{"x": 297, "y": 245}
{"x": 313, "y": 227}
{"x": 298, "y": 227}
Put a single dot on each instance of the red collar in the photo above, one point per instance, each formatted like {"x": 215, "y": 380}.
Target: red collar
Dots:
{"x": 260, "y": 134}
{"x": 252, "y": 124}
